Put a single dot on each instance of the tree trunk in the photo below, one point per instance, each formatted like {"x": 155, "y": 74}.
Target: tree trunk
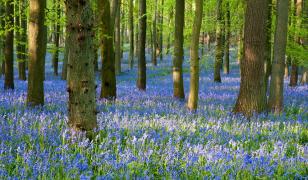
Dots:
{"x": 228, "y": 36}
{"x": 304, "y": 79}
{"x": 81, "y": 76}
{"x": 65, "y": 58}
{"x": 178, "y": 85}
{"x": 118, "y": 40}
{"x": 131, "y": 34}
{"x": 252, "y": 96}
{"x": 161, "y": 31}
{"x": 219, "y": 43}
{"x": 268, "y": 60}
{"x": 275, "y": 102}
{"x": 55, "y": 58}
{"x": 154, "y": 38}
{"x": 37, "y": 51}
{"x": 170, "y": 33}
{"x": 9, "y": 47}
{"x": 194, "y": 58}
{"x": 108, "y": 89}
{"x": 141, "y": 82}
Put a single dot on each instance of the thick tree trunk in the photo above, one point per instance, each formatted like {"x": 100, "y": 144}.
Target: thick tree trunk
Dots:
{"x": 141, "y": 82}
{"x": 219, "y": 43}
{"x": 118, "y": 40}
{"x": 194, "y": 58}
{"x": 37, "y": 51}
{"x": 108, "y": 89}
{"x": 55, "y": 58}
{"x": 252, "y": 96}
{"x": 228, "y": 36}
{"x": 275, "y": 101}
{"x": 154, "y": 37}
{"x": 131, "y": 34}
{"x": 9, "y": 47}
{"x": 81, "y": 75}
{"x": 178, "y": 85}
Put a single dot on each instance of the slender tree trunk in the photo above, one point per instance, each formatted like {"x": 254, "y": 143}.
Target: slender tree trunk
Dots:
{"x": 118, "y": 40}
{"x": 154, "y": 38}
{"x": 304, "y": 79}
{"x": 108, "y": 89}
{"x": 141, "y": 82}
{"x": 81, "y": 75}
{"x": 136, "y": 30}
{"x": 131, "y": 34}
{"x": 55, "y": 58}
{"x": 194, "y": 58}
{"x": 9, "y": 47}
{"x": 268, "y": 61}
{"x": 286, "y": 67}
{"x": 178, "y": 85}
{"x": 294, "y": 63}
{"x": 2, "y": 24}
{"x": 240, "y": 46}
{"x": 228, "y": 36}
{"x": 170, "y": 33}
{"x": 219, "y": 43}
{"x": 37, "y": 51}
{"x": 252, "y": 96}
{"x": 161, "y": 31}
{"x": 65, "y": 59}
{"x": 276, "y": 85}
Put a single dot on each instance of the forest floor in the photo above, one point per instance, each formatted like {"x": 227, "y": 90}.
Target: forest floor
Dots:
{"x": 152, "y": 135}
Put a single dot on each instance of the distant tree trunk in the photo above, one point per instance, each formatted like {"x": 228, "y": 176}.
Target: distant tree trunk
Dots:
{"x": 118, "y": 39}
{"x": 141, "y": 82}
{"x": 294, "y": 63}
{"x": 37, "y": 51}
{"x": 240, "y": 46}
{"x": 268, "y": 61}
{"x": 228, "y": 36}
{"x": 9, "y": 47}
{"x": 21, "y": 24}
{"x": 161, "y": 31}
{"x": 219, "y": 43}
{"x": 65, "y": 58}
{"x": 178, "y": 85}
{"x": 131, "y": 34}
{"x": 286, "y": 68}
{"x": 276, "y": 85}
{"x": 136, "y": 30}
{"x": 154, "y": 38}
{"x": 55, "y": 58}
{"x": 194, "y": 58}
{"x": 252, "y": 96}
{"x": 81, "y": 76}
{"x": 304, "y": 79}
{"x": 108, "y": 89}
{"x": 170, "y": 33}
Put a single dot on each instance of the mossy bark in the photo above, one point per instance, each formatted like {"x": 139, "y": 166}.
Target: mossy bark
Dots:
{"x": 178, "y": 85}
{"x": 81, "y": 76}
{"x": 252, "y": 96}
{"x": 275, "y": 101}
{"x": 194, "y": 58}
{"x": 37, "y": 50}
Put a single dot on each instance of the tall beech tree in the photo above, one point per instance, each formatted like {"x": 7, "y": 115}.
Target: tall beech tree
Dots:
{"x": 154, "y": 36}
{"x": 194, "y": 57}
{"x": 131, "y": 33}
{"x": 219, "y": 42}
{"x": 9, "y": 46}
{"x": 81, "y": 75}
{"x": 37, "y": 50}
{"x": 178, "y": 85}
{"x": 108, "y": 89}
{"x": 228, "y": 39}
{"x": 275, "y": 101}
{"x": 118, "y": 39}
{"x": 252, "y": 96}
{"x": 141, "y": 82}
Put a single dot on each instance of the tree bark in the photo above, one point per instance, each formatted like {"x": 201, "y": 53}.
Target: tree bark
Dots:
{"x": 37, "y": 51}
{"x": 252, "y": 96}
{"x": 108, "y": 89}
{"x": 2, "y": 24}
{"x": 65, "y": 58}
{"x": 154, "y": 38}
{"x": 161, "y": 31}
{"x": 118, "y": 39}
{"x": 219, "y": 43}
{"x": 141, "y": 82}
{"x": 9, "y": 47}
{"x": 275, "y": 102}
{"x": 194, "y": 58}
{"x": 178, "y": 85}
{"x": 268, "y": 60}
{"x": 55, "y": 58}
{"x": 228, "y": 36}
{"x": 131, "y": 34}
{"x": 81, "y": 76}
